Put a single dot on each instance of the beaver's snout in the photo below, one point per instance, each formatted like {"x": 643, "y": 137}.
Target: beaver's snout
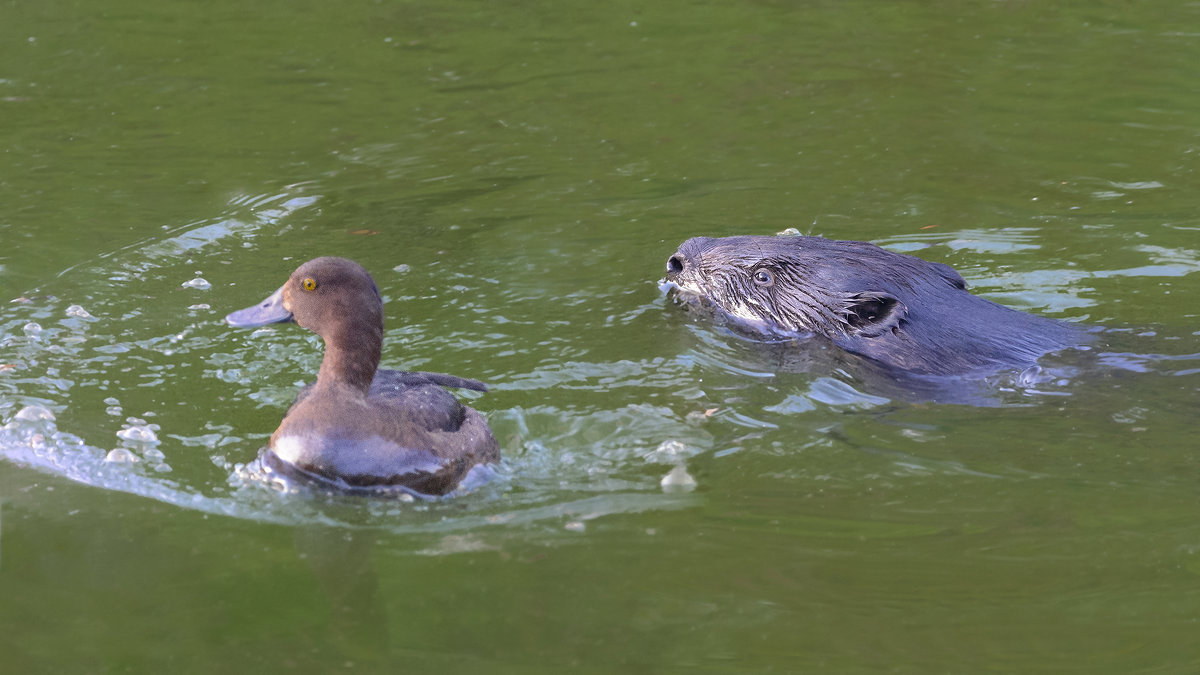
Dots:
{"x": 675, "y": 266}
{"x": 686, "y": 258}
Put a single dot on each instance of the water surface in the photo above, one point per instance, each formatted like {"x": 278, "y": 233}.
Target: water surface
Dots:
{"x": 672, "y": 498}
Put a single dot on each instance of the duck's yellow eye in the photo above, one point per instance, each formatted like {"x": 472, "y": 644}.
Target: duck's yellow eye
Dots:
{"x": 309, "y": 284}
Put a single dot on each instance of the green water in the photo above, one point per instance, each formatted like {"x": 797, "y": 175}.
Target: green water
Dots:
{"x": 515, "y": 176}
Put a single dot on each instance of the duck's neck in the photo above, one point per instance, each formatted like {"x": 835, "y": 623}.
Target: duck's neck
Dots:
{"x": 351, "y": 358}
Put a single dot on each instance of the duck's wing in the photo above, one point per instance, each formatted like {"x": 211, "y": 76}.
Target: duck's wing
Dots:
{"x": 395, "y": 381}
{"x": 403, "y": 379}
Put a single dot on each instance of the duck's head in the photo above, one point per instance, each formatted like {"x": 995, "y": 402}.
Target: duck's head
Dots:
{"x": 329, "y": 296}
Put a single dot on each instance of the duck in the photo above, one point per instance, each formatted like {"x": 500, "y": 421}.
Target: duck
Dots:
{"x": 359, "y": 428}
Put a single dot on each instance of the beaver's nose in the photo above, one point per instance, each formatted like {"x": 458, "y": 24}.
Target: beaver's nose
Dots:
{"x": 675, "y": 265}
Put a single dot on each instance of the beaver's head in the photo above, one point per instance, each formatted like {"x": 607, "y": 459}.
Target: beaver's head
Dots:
{"x": 902, "y": 310}
{"x": 788, "y": 285}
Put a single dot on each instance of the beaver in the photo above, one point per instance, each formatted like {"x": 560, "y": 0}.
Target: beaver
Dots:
{"x": 899, "y": 310}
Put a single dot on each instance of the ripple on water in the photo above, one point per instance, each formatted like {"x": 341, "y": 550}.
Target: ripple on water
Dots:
{"x": 565, "y": 463}
{"x": 561, "y": 464}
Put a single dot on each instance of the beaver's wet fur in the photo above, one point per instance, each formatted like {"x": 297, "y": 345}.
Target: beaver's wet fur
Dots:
{"x": 899, "y": 310}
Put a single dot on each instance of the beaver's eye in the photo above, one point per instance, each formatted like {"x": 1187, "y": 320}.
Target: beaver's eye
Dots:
{"x": 309, "y": 284}
{"x": 763, "y": 277}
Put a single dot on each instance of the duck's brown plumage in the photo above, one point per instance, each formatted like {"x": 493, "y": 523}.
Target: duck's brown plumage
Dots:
{"x": 358, "y": 428}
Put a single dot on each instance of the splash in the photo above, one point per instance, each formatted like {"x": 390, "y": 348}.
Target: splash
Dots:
{"x": 89, "y": 381}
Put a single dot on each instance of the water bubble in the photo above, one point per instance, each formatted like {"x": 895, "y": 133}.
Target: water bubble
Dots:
{"x": 199, "y": 283}
{"x": 669, "y": 452}
{"x": 671, "y": 447}
{"x": 121, "y": 456}
{"x": 137, "y": 435}
{"x": 137, "y": 431}
{"x": 575, "y": 526}
{"x": 32, "y": 328}
{"x": 34, "y": 412}
{"x": 79, "y": 311}
{"x": 114, "y": 406}
{"x": 678, "y": 480}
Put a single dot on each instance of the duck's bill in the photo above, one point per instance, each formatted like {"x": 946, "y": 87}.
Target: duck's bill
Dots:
{"x": 268, "y": 311}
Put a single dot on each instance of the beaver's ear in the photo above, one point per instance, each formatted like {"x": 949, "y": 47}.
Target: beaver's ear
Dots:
{"x": 874, "y": 313}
